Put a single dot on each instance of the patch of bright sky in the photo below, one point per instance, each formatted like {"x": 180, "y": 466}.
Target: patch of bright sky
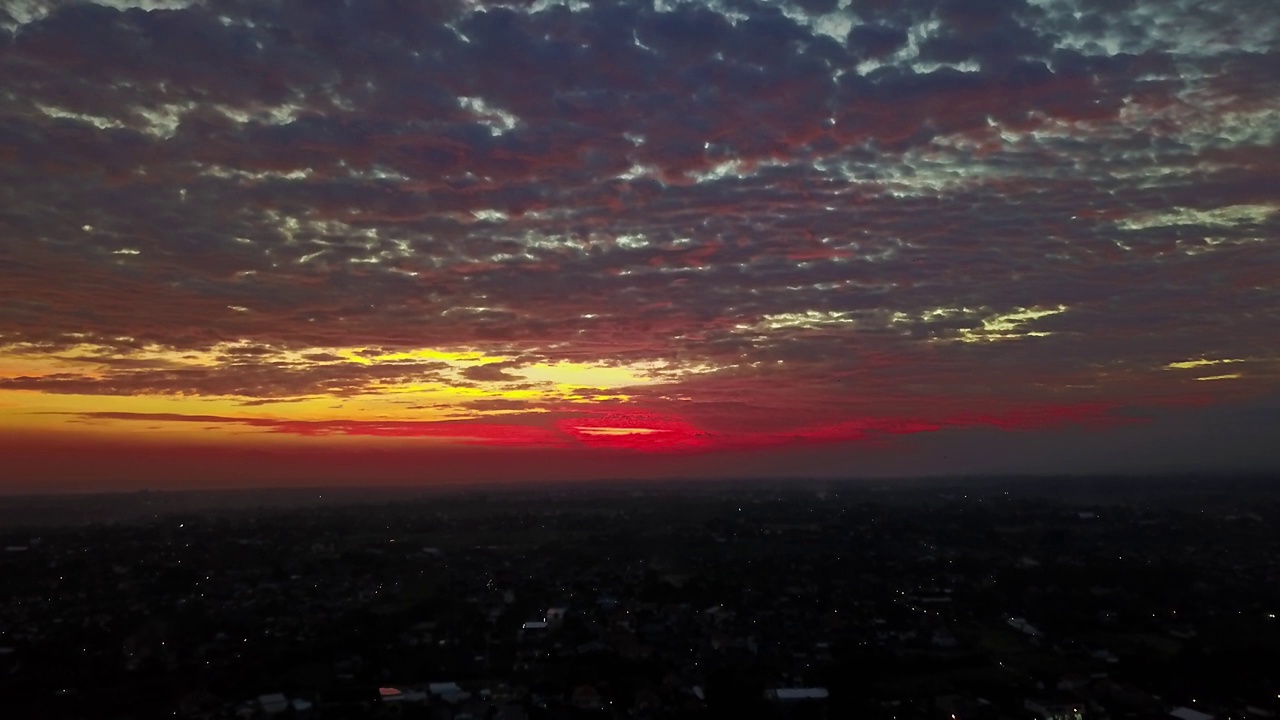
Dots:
{"x": 26, "y": 11}
{"x": 574, "y": 375}
{"x": 163, "y": 120}
{"x": 1204, "y": 118}
{"x": 99, "y": 121}
{"x": 375, "y": 173}
{"x": 1201, "y": 362}
{"x": 802, "y": 320}
{"x": 634, "y": 241}
{"x": 1230, "y": 216}
{"x": 499, "y": 121}
{"x": 1198, "y": 125}
{"x": 324, "y": 234}
{"x": 1180, "y": 27}
{"x": 381, "y": 399}
{"x": 907, "y": 54}
{"x": 592, "y": 375}
{"x": 263, "y": 114}
{"x": 733, "y": 16}
{"x": 534, "y": 240}
{"x": 835, "y": 24}
{"x": 1211, "y": 244}
{"x": 966, "y": 66}
{"x": 1010, "y": 325}
{"x": 888, "y": 250}
{"x": 223, "y": 172}
{"x": 619, "y": 432}
{"x": 490, "y": 215}
{"x": 1047, "y": 132}
{"x": 91, "y": 360}
{"x": 728, "y": 168}
{"x": 571, "y": 5}
{"x": 944, "y": 166}
{"x": 637, "y": 171}
{"x": 32, "y": 361}
{"x": 36, "y": 411}
{"x": 103, "y": 354}
{"x": 734, "y": 168}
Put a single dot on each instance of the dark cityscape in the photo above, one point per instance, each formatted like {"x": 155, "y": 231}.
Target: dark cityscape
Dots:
{"x": 1054, "y": 599}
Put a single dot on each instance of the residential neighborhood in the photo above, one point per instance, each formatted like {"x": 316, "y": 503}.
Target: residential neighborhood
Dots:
{"x": 821, "y": 600}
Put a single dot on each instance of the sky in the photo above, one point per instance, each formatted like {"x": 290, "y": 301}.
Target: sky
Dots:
{"x": 379, "y": 241}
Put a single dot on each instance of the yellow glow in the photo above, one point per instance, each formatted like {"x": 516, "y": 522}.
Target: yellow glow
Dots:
{"x": 614, "y": 432}
{"x": 1202, "y": 362}
{"x": 576, "y": 397}
{"x": 26, "y": 366}
{"x": 1021, "y": 316}
{"x": 804, "y": 320}
{"x": 1008, "y": 326}
{"x": 995, "y": 327}
{"x": 1233, "y": 376}
{"x": 441, "y": 391}
{"x": 581, "y": 375}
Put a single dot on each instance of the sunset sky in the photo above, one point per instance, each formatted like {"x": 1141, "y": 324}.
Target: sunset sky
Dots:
{"x": 377, "y": 241}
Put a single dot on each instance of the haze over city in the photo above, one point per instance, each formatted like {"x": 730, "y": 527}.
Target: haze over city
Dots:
{"x": 299, "y": 241}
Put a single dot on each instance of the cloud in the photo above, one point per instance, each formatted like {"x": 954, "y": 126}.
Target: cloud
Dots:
{"x": 809, "y": 209}
{"x": 251, "y": 372}
{"x": 489, "y": 373}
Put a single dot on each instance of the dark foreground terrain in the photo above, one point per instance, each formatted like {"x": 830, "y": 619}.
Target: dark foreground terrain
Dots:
{"x": 977, "y": 599}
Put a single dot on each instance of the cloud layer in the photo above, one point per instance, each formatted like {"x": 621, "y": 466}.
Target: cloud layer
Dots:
{"x": 743, "y": 221}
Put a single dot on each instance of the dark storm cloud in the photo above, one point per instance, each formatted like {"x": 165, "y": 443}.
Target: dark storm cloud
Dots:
{"x": 776, "y": 191}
